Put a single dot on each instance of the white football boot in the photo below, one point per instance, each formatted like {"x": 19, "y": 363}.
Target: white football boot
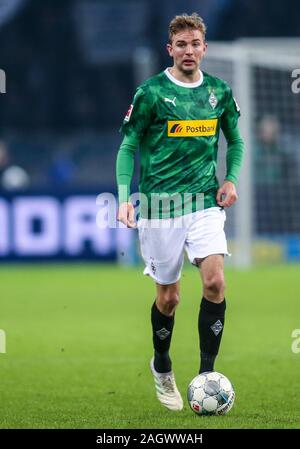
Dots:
{"x": 166, "y": 389}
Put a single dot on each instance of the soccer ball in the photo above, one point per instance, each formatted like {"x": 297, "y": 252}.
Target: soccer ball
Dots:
{"x": 210, "y": 393}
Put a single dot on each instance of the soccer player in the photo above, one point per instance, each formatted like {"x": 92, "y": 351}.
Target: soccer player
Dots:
{"x": 175, "y": 121}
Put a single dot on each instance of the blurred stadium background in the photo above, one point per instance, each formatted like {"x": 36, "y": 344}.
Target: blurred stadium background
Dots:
{"x": 71, "y": 69}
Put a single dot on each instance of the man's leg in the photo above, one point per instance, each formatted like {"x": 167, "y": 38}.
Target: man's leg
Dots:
{"x": 212, "y": 310}
{"x": 162, "y": 249}
{"x": 162, "y": 318}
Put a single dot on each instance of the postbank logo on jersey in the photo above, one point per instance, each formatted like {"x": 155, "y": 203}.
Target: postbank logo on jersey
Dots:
{"x": 192, "y": 128}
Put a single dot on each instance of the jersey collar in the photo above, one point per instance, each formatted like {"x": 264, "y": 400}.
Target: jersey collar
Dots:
{"x": 181, "y": 83}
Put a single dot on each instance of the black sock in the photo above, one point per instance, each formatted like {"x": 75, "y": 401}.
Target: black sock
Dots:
{"x": 162, "y": 327}
{"x": 210, "y": 325}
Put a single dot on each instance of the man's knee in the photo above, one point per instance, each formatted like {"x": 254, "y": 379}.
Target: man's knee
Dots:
{"x": 168, "y": 300}
{"x": 215, "y": 283}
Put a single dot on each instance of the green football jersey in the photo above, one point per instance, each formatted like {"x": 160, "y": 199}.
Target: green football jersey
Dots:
{"x": 176, "y": 127}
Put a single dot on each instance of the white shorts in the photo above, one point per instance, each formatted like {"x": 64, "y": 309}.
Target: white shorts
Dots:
{"x": 163, "y": 242}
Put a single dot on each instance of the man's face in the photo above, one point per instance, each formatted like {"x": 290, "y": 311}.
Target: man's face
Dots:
{"x": 187, "y": 49}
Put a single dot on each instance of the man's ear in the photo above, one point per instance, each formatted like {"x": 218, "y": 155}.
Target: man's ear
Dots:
{"x": 169, "y": 49}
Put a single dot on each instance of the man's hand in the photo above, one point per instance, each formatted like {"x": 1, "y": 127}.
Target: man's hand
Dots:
{"x": 227, "y": 195}
{"x": 126, "y": 215}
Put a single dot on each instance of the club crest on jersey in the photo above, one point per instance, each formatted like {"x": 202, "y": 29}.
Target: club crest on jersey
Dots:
{"x": 128, "y": 114}
{"x": 213, "y": 100}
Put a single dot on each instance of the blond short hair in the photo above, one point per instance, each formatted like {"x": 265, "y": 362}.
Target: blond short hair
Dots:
{"x": 186, "y": 22}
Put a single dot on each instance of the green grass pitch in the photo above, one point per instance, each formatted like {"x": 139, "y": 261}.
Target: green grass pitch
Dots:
{"x": 78, "y": 345}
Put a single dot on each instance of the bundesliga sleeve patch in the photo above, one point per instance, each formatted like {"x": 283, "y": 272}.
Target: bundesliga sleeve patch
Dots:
{"x": 128, "y": 114}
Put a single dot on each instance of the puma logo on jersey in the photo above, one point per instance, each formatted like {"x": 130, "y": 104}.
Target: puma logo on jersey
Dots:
{"x": 167, "y": 100}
